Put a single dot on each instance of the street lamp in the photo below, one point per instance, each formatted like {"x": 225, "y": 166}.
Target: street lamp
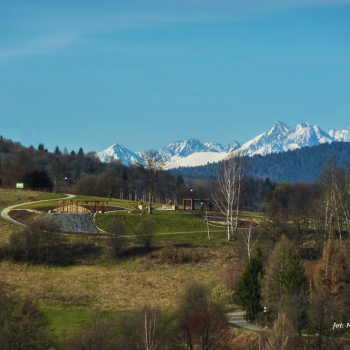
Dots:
{"x": 192, "y": 204}
{"x": 65, "y": 180}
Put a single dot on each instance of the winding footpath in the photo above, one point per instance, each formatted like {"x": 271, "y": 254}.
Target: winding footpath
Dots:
{"x": 237, "y": 318}
{"x": 5, "y": 213}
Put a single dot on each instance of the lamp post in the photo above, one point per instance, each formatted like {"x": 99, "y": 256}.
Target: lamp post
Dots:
{"x": 65, "y": 180}
{"x": 192, "y": 204}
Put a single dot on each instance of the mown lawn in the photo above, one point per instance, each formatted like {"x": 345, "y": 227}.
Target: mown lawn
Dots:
{"x": 166, "y": 222}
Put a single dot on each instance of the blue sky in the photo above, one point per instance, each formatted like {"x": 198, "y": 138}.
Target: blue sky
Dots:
{"x": 147, "y": 73}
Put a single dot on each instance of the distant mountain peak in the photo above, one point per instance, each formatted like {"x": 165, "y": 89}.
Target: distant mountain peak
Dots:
{"x": 281, "y": 138}
{"x": 278, "y": 138}
{"x": 118, "y": 151}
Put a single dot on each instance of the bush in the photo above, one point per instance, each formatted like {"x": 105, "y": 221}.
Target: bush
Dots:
{"x": 145, "y": 233}
{"x": 221, "y": 294}
{"x": 201, "y": 322}
{"x": 36, "y": 243}
{"x": 22, "y": 325}
{"x": 146, "y": 328}
{"x": 183, "y": 255}
{"x": 118, "y": 241}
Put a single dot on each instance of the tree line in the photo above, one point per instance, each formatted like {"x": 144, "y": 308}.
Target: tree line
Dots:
{"x": 299, "y": 284}
{"x": 300, "y": 165}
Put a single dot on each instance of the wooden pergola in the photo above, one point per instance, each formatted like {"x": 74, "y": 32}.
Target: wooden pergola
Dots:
{"x": 81, "y": 206}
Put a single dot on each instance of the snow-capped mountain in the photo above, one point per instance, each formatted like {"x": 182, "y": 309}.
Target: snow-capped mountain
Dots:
{"x": 192, "y": 152}
{"x": 180, "y": 153}
{"x": 340, "y": 135}
{"x": 281, "y": 138}
{"x": 182, "y": 149}
{"x": 116, "y": 152}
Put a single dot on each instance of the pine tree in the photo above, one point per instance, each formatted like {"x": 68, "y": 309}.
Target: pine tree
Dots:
{"x": 249, "y": 286}
{"x": 294, "y": 276}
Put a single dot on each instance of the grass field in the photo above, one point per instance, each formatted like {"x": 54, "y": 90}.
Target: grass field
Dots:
{"x": 68, "y": 295}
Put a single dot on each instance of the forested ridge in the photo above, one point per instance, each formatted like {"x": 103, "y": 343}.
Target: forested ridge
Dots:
{"x": 304, "y": 164}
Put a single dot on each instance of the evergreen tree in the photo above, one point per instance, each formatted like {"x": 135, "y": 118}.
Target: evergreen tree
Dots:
{"x": 81, "y": 153}
{"x": 57, "y": 151}
{"x": 249, "y": 286}
{"x": 284, "y": 285}
{"x": 294, "y": 276}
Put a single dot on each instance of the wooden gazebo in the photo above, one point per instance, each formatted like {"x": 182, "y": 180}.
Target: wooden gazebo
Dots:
{"x": 81, "y": 206}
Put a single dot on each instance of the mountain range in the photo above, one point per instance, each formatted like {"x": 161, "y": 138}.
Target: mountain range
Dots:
{"x": 278, "y": 138}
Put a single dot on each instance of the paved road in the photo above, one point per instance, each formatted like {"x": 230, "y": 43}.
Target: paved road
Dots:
{"x": 5, "y": 212}
{"x": 237, "y": 318}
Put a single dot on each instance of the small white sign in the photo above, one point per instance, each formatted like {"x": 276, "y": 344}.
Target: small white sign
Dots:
{"x": 19, "y": 185}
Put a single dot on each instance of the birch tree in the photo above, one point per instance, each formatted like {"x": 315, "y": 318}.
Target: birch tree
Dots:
{"x": 229, "y": 190}
{"x": 248, "y": 239}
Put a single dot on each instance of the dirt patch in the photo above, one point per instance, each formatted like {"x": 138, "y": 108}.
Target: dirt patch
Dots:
{"x": 26, "y": 217}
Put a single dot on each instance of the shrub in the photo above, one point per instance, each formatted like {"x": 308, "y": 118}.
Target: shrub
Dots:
{"x": 145, "y": 232}
{"x": 221, "y": 294}
{"x": 146, "y": 328}
{"x": 201, "y": 322}
{"x": 118, "y": 241}
{"x": 171, "y": 254}
{"x": 36, "y": 243}
{"x": 22, "y": 325}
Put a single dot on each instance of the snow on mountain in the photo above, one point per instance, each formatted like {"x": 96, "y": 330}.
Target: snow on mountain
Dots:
{"x": 183, "y": 149}
{"x": 181, "y": 153}
{"x": 232, "y": 146}
{"x": 340, "y": 135}
{"x": 192, "y": 152}
{"x": 281, "y": 138}
{"x": 198, "y": 158}
{"x": 213, "y": 147}
{"x": 270, "y": 141}
{"x": 118, "y": 151}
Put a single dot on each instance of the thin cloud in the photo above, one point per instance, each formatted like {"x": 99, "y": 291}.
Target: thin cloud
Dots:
{"x": 37, "y": 46}
{"x": 55, "y": 33}
{"x": 64, "y": 32}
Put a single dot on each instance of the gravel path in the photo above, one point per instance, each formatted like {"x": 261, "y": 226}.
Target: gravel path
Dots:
{"x": 5, "y": 213}
{"x": 237, "y": 318}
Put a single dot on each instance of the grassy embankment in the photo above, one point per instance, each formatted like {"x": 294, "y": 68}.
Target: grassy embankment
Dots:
{"x": 68, "y": 295}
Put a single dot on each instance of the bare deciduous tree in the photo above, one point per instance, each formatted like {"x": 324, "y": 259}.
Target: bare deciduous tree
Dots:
{"x": 248, "y": 239}
{"x": 281, "y": 334}
{"x": 227, "y": 198}
{"x": 151, "y": 173}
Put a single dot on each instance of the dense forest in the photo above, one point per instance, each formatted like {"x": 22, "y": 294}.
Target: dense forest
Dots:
{"x": 304, "y": 164}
